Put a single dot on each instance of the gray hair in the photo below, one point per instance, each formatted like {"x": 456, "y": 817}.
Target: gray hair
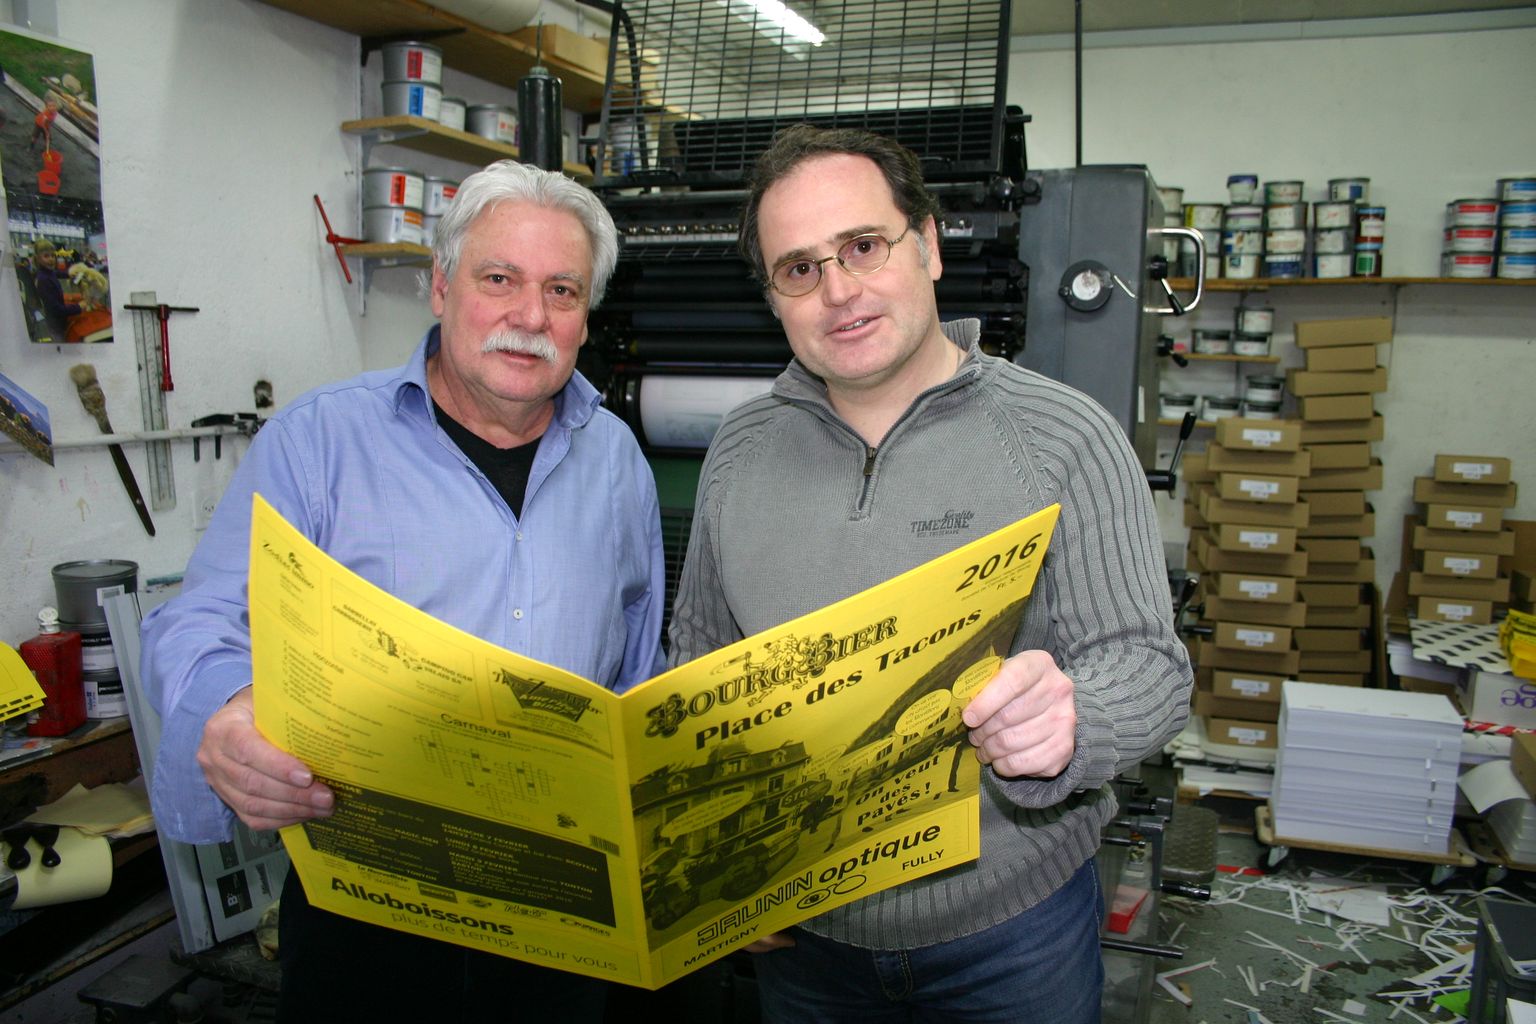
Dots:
{"x": 507, "y": 181}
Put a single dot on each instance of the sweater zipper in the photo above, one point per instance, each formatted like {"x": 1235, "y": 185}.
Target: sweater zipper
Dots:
{"x": 869, "y": 476}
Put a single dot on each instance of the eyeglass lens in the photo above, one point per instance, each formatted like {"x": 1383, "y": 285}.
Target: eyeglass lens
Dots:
{"x": 862, "y": 254}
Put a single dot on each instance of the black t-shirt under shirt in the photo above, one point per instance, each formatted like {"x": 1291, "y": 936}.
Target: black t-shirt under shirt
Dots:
{"x": 506, "y": 468}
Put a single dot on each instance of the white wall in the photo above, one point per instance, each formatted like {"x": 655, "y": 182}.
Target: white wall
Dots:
{"x": 1427, "y": 117}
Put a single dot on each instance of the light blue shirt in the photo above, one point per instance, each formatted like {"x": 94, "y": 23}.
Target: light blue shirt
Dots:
{"x": 363, "y": 470}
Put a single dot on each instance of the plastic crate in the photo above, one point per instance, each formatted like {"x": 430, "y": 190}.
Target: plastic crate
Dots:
{"x": 1506, "y": 933}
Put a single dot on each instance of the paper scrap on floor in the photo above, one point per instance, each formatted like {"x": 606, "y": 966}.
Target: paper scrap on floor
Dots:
{"x": 1353, "y": 901}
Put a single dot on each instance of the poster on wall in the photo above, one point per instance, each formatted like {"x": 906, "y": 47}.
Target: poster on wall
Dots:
{"x": 50, "y": 160}
{"x": 25, "y": 419}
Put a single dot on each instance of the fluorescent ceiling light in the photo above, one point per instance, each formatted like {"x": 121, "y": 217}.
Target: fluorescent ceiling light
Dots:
{"x": 792, "y": 23}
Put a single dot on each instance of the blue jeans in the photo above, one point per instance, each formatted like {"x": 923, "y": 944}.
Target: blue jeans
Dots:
{"x": 1043, "y": 965}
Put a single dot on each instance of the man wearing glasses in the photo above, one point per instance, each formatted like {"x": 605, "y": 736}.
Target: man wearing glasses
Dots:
{"x": 885, "y": 423}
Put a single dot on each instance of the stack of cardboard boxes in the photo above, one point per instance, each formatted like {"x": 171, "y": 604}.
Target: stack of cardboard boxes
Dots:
{"x": 1245, "y": 517}
{"x": 1335, "y": 398}
{"x": 1461, "y": 547}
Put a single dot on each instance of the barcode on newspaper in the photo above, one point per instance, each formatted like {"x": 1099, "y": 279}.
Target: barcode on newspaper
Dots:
{"x": 606, "y": 845}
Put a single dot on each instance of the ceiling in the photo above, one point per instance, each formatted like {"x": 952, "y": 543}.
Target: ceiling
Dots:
{"x": 1049, "y": 17}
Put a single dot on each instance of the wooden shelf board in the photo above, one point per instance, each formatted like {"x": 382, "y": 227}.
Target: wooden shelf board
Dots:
{"x": 1259, "y": 284}
{"x": 1228, "y": 359}
{"x": 426, "y": 136}
{"x": 1199, "y": 424}
{"x": 401, "y": 251}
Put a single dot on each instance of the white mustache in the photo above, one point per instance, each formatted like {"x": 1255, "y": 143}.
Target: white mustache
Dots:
{"x": 521, "y": 343}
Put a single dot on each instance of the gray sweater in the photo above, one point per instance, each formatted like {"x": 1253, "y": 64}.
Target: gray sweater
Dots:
{"x": 795, "y": 512}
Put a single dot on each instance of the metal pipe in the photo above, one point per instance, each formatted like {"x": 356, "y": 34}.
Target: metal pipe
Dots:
{"x": 129, "y": 437}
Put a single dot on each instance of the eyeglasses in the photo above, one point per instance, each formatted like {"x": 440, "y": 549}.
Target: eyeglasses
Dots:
{"x": 860, "y": 255}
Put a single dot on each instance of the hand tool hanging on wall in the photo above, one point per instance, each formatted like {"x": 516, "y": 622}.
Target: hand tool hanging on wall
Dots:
{"x": 336, "y": 241}
{"x": 95, "y": 402}
{"x": 163, "y": 314}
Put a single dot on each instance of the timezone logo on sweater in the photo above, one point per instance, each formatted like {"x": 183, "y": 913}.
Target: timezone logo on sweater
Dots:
{"x": 950, "y": 522}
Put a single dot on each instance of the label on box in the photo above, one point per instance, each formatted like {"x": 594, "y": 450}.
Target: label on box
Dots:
{"x": 1454, "y": 612}
{"x": 1259, "y": 488}
{"x": 1250, "y": 687}
{"x": 1472, "y": 470}
{"x": 1258, "y": 538}
{"x": 1258, "y": 589}
{"x": 1463, "y": 518}
{"x": 1463, "y": 566}
{"x": 1248, "y": 737}
{"x": 1255, "y": 637}
{"x": 1260, "y": 438}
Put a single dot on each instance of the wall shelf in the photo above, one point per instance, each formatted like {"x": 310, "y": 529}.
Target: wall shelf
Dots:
{"x": 1203, "y": 358}
{"x": 1199, "y": 424}
{"x": 471, "y": 48}
{"x": 1260, "y": 284}
{"x": 423, "y": 136}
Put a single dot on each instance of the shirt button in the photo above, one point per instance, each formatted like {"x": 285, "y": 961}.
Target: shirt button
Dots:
{"x": 517, "y": 613}
{"x": 519, "y": 535}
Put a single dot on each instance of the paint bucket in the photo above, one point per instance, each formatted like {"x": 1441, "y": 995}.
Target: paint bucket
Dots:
{"x": 1333, "y": 240}
{"x": 1470, "y": 239}
{"x": 1367, "y": 261}
{"x": 1471, "y": 213}
{"x": 1242, "y": 187}
{"x": 1282, "y": 192}
{"x": 1172, "y": 197}
{"x": 392, "y": 224}
{"x": 50, "y": 177}
{"x": 393, "y": 186}
{"x": 1518, "y": 215}
{"x": 1285, "y": 215}
{"x": 104, "y": 696}
{"x": 1261, "y": 410}
{"x": 1370, "y": 225}
{"x": 1174, "y": 406}
{"x": 1333, "y": 214}
{"x": 1256, "y": 319}
{"x": 1333, "y": 264}
{"x": 1517, "y": 240}
{"x": 1220, "y": 407}
{"x": 82, "y": 586}
{"x": 1242, "y": 240}
{"x": 1518, "y": 265}
{"x": 413, "y": 99}
{"x": 494, "y": 121}
{"x": 1514, "y": 190}
{"x": 1204, "y": 216}
{"x": 1355, "y": 190}
{"x": 1250, "y": 343}
{"x": 439, "y": 193}
{"x": 1263, "y": 387}
{"x": 429, "y": 229}
{"x": 1284, "y": 264}
{"x": 1466, "y": 264}
{"x": 1286, "y": 240}
{"x": 1213, "y": 343}
{"x": 450, "y": 112}
{"x": 1240, "y": 266}
{"x": 1243, "y": 216}
{"x": 412, "y": 62}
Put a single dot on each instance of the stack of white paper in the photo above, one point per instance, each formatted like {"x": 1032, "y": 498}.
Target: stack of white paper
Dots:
{"x": 1366, "y": 768}
{"x": 1514, "y": 822}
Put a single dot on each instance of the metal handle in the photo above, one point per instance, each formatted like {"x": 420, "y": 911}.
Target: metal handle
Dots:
{"x": 1176, "y": 307}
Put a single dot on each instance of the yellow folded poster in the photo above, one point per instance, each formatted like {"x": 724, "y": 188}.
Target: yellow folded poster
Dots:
{"x": 503, "y": 804}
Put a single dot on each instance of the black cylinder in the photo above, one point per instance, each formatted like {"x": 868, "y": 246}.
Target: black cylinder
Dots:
{"x": 538, "y": 119}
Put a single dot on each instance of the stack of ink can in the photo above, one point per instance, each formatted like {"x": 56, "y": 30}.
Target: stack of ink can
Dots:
{"x": 1242, "y": 229}
{"x": 1517, "y": 228}
{"x": 1471, "y": 235}
{"x": 1285, "y": 230}
{"x": 1367, "y": 226}
{"x": 1205, "y": 218}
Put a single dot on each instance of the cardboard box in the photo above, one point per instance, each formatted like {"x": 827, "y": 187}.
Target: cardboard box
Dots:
{"x": 1216, "y": 560}
{"x": 1340, "y": 526}
{"x": 1192, "y": 517}
{"x": 1439, "y": 492}
{"x": 1463, "y": 564}
{"x": 1425, "y": 539}
{"x": 1420, "y": 585}
{"x": 1261, "y": 613}
{"x": 1330, "y": 595}
{"x": 1316, "y": 638}
{"x": 1363, "y": 571}
{"x": 1475, "y": 518}
{"x": 1367, "y": 479}
{"x": 1335, "y": 407}
{"x": 1253, "y": 687}
{"x": 1363, "y": 330}
{"x": 1331, "y": 549}
{"x": 1453, "y": 609}
{"x": 1272, "y": 463}
{"x": 1322, "y": 617}
{"x": 1193, "y": 470}
{"x": 1333, "y": 661}
{"x": 1259, "y": 513}
{"x": 1472, "y": 469}
{"x": 1281, "y": 663}
{"x": 1343, "y": 455}
{"x": 1237, "y": 732}
{"x": 1522, "y": 760}
{"x": 1344, "y": 357}
{"x": 1235, "y": 586}
{"x": 1336, "y": 503}
{"x": 1268, "y": 540}
{"x": 1243, "y": 636}
{"x": 1207, "y": 705}
{"x": 1257, "y": 487}
{"x": 1337, "y": 678}
{"x": 1501, "y": 699}
{"x": 1333, "y": 431}
{"x": 571, "y": 47}
{"x": 1259, "y": 435}
{"x": 1522, "y": 586}
{"x": 1309, "y": 383}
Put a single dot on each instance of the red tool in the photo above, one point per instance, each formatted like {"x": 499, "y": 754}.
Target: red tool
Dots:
{"x": 336, "y": 241}
{"x": 163, "y": 314}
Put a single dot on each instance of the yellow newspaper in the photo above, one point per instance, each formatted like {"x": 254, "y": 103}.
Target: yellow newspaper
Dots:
{"x": 500, "y": 803}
